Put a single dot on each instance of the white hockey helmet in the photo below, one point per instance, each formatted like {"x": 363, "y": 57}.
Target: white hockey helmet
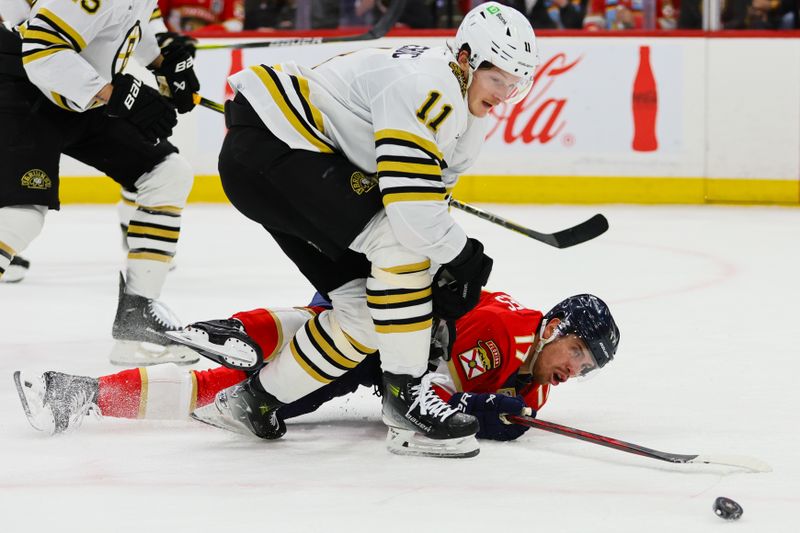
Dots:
{"x": 502, "y": 36}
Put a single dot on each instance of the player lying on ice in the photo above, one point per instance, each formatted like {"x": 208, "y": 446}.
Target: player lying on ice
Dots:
{"x": 499, "y": 358}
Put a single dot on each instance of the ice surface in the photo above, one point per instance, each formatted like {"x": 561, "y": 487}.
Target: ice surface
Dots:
{"x": 706, "y": 299}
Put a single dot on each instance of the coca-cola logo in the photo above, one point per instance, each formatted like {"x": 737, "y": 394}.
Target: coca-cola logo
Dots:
{"x": 537, "y": 117}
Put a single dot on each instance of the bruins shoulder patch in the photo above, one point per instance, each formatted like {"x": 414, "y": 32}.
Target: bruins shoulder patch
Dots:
{"x": 361, "y": 183}
{"x": 36, "y": 179}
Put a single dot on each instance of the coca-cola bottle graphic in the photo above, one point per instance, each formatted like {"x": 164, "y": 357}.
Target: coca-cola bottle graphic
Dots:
{"x": 645, "y": 105}
{"x": 236, "y": 66}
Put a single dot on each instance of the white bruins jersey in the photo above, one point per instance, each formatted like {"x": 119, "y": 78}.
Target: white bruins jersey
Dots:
{"x": 400, "y": 113}
{"x": 72, "y": 48}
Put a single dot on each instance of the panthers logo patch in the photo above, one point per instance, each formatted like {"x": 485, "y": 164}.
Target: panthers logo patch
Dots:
{"x": 480, "y": 359}
{"x": 36, "y": 179}
{"x": 361, "y": 183}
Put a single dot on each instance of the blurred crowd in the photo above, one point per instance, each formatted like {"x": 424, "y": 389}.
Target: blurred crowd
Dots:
{"x": 591, "y": 15}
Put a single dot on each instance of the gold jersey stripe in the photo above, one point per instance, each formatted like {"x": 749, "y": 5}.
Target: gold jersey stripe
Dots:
{"x": 329, "y": 350}
{"x": 7, "y": 249}
{"x": 44, "y": 36}
{"x": 412, "y": 168}
{"x": 410, "y": 268}
{"x": 305, "y": 93}
{"x": 404, "y": 328}
{"x": 61, "y": 101}
{"x": 127, "y": 202}
{"x": 156, "y": 14}
{"x": 358, "y": 346}
{"x": 454, "y": 375}
{"x": 155, "y": 232}
{"x": 143, "y": 390}
{"x": 279, "y": 328}
{"x": 410, "y": 137}
{"x": 171, "y": 209}
{"x": 193, "y": 401}
{"x": 283, "y": 105}
{"x": 310, "y": 371}
{"x": 399, "y": 298}
{"x": 390, "y": 198}
{"x": 39, "y": 54}
{"x": 64, "y": 28}
{"x": 150, "y": 256}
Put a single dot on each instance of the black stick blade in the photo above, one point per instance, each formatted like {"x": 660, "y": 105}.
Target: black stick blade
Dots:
{"x": 585, "y": 231}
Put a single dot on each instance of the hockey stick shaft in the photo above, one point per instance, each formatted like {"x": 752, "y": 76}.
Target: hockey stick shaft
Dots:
{"x": 585, "y": 231}
{"x": 377, "y": 31}
{"x": 595, "y": 226}
{"x": 609, "y": 442}
{"x": 210, "y": 104}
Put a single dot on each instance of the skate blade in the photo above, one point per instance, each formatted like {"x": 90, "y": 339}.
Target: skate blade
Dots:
{"x": 14, "y": 274}
{"x": 134, "y": 353}
{"x": 407, "y": 442}
{"x": 238, "y": 356}
{"x": 210, "y": 415}
{"x": 31, "y": 395}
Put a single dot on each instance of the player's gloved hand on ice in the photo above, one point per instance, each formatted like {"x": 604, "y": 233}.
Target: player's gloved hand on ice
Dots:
{"x": 176, "y": 77}
{"x": 141, "y": 105}
{"x": 457, "y": 285}
{"x": 487, "y": 408}
{"x": 169, "y": 42}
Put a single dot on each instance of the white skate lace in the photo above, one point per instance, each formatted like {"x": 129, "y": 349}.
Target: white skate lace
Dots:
{"x": 429, "y": 401}
{"x": 79, "y": 407}
{"x": 163, "y": 315}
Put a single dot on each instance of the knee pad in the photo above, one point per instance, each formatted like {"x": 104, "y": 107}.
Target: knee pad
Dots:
{"x": 19, "y": 225}
{"x": 168, "y": 184}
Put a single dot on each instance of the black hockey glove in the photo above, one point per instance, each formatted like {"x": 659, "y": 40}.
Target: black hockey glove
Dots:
{"x": 487, "y": 408}
{"x": 176, "y": 77}
{"x": 143, "y": 106}
{"x": 457, "y": 285}
{"x": 170, "y": 42}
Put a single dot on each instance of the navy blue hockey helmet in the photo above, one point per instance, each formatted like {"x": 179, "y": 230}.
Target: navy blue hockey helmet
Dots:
{"x": 588, "y": 317}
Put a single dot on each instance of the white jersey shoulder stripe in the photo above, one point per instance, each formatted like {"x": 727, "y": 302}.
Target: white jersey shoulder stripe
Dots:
{"x": 278, "y": 92}
{"x": 58, "y": 24}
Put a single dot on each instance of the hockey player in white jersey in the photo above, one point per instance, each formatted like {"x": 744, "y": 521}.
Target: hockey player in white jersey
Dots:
{"x": 14, "y": 12}
{"x": 63, "y": 91}
{"x": 347, "y": 165}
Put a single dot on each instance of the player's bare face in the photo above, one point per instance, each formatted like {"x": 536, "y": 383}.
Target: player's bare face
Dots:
{"x": 562, "y": 359}
{"x": 489, "y": 88}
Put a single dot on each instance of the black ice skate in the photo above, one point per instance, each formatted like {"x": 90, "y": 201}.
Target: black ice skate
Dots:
{"x": 139, "y": 328}
{"x": 421, "y": 423}
{"x": 56, "y": 402}
{"x": 16, "y": 270}
{"x": 223, "y": 341}
{"x": 244, "y": 408}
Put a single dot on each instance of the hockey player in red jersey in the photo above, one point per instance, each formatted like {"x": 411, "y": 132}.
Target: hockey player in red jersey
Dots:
{"x": 500, "y": 358}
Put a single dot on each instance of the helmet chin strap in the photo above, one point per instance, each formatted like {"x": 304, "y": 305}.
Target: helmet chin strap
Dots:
{"x": 543, "y": 342}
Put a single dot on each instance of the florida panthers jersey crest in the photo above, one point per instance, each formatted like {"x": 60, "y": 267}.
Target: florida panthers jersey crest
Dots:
{"x": 72, "y": 48}
{"x": 492, "y": 341}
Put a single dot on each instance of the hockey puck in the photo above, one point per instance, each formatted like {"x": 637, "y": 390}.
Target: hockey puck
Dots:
{"x": 727, "y": 509}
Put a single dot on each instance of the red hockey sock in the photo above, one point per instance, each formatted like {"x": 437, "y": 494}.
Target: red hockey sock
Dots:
{"x": 262, "y": 327}
{"x": 210, "y": 382}
{"x": 120, "y": 394}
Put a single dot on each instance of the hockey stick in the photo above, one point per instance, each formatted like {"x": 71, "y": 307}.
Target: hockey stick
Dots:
{"x": 377, "y": 31}
{"x": 748, "y": 463}
{"x": 210, "y": 104}
{"x": 585, "y": 231}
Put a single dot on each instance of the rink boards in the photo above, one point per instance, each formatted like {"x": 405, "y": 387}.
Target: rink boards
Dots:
{"x": 720, "y": 122}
